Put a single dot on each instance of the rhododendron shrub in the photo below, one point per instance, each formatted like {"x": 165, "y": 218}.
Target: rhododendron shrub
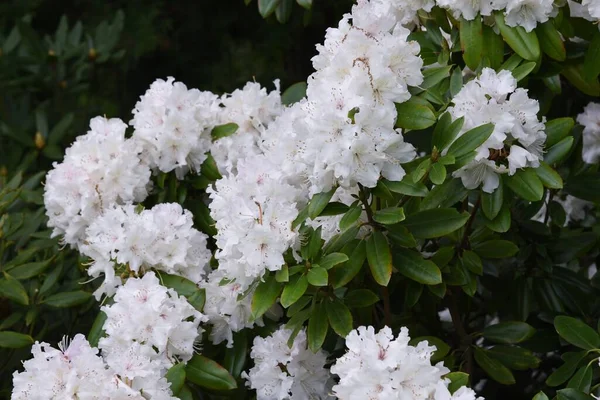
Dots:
{"x": 420, "y": 223}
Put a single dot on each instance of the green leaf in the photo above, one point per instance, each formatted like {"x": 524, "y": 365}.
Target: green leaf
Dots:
{"x": 317, "y": 276}
{"x": 294, "y": 93}
{"x": 317, "y": 327}
{"x": 572, "y": 394}
{"x": 523, "y": 70}
{"x": 221, "y": 131}
{"x": 557, "y": 153}
{"x": 183, "y": 286}
{"x": 408, "y": 187}
{"x": 525, "y": 44}
{"x": 442, "y": 125}
{"x": 208, "y": 374}
{"x": 470, "y": 140}
{"x": 209, "y": 168}
{"x": 582, "y": 380}
{"x": 318, "y": 203}
{"x": 334, "y": 208}
{"x": 97, "y": 329}
{"x": 314, "y": 244}
{"x": 284, "y": 11}
{"x": 60, "y": 129}
{"x": 176, "y": 377}
{"x": 412, "y": 265}
{"x": 445, "y": 195}
{"x": 472, "y": 262}
{"x": 493, "y": 367}
{"x": 550, "y": 41}
{"x": 584, "y": 186}
{"x": 565, "y": 371}
{"x": 349, "y": 219}
{"x": 491, "y": 203}
{"x": 434, "y": 223}
{"x": 557, "y": 129}
{"x": 456, "y": 82}
{"x": 333, "y": 259}
{"x": 433, "y": 76}
{"x": 389, "y": 216}
{"x": 360, "y": 298}
{"x": 577, "y": 332}
{"x": 508, "y": 332}
{"x": 442, "y": 349}
{"x": 307, "y": 4}
{"x": 526, "y": 184}
{"x": 235, "y": 356}
{"x": 265, "y": 296}
{"x": 14, "y": 340}
{"x": 514, "y": 357}
{"x": 414, "y": 115}
{"x": 267, "y": 7}
{"x": 399, "y": 235}
{"x": 340, "y": 276}
{"x": 502, "y": 221}
{"x": 339, "y": 317}
{"x": 575, "y": 75}
{"x": 294, "y": 290}
{"x": 549, "y": 177}
{"x": 437, "y": 174}
{"x": 471, "y": 41}
{"x": 540, "y": 396}
{"x": 283, "y": 275}
{"x": 457, "y": 380}
{"x": 13, "y": 290}
{"x": 379, "y": 257}
{"x": 29, "y": 270}
{"x": 67, "y": 299}
{"x": 340, "y": 240}
{"x": 496, "y": 249}
{"x": 591, "y": 62}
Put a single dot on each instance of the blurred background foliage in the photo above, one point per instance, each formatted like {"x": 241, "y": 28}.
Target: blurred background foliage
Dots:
{"x": 62, "y": 64}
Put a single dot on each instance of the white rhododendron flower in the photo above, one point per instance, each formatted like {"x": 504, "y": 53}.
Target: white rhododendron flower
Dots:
{"x": 526, "y": 13}
{"x": 102, "y": 168}
{"x": 590, "y": 119}
{"x": 173, "y": 125}
{"x": 253, "y": 110}
{"x": 587, "y": 9}
{"x": 468, "y": 9}
{"x": 282, "y": 372}
{"x": 148, "y": 329}
{"x": 462, "y": 393}
{"x": 518, "y": 137}
{"x": 379, "y": 366}
{"x": 162, "y": 238}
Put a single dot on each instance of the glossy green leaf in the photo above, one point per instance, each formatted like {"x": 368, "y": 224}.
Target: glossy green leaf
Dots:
{"x": 360, "y": 298}
{"x": 333, "y": 259}
{"x": 408, "y": 187}
{"x": 557, "y": 153}
{"x": 523, "y": 70}
{"x": 435, "y": 223}
{"x": 67, "y": 299}
{"x": 557, "y": 129}
{"x": 176, "y": 377}
{"x": 565, "y": 371}
{"x": 549, "y": 177}
{"x": 491, "y": 203}
{"x": 577, "y": 332}
{"x": 389, "y": 216}
{"x": 29, "y": 270}
{"x": 550, "y": 41}
{"x": 294, "y": 93}
{"x": 441, "y": 348}
{"x": 575, "y": 75}
{"x": 572, "y": 394}
{"x": 413, "y": 115}
{"x": 221, "y": 131}
{"x": 514, "y": 357}
{"x": 265, "y": 296}
{"x": 340, "y": 276}
{"x": 470, "y": 140}
{"x": 437, "y": 174}
{"x": 13, "y": 290}
{"x": 97, "y": 329}
{"x": 317, "y": 276}
{"x": 494, "y": 368}
{"x": 318, "y": 203}
{"x": 526, "y": 184}
{"x": 412, "y": 265}
{"x": 235, "y": 356}
{"x": 496, "y": 249}
{"x": 457, "y": 380}
{"x": 471, "y": 41}
{"x": 582, "y": 380}
{"x": 208, "y": 374}
{"x": 525, "y": 44}
{"x": 591, "y": 62}
{"x": 294, "y": 290}
{"x": 339, "y": 317}
{"x": 14, "y": 340}
{"x": 349, "y": 219}
{"x": 318, "y": 326}
{"x": 508, "y": 332}
{"x": 379, "y": 257}
{"x": 584, "y": 186}
{"x": 540, "y": 396}
{"x": 267, "y": 7}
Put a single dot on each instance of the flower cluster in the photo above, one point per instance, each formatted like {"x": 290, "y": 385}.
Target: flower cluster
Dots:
{"x": 148, "y": 328}
{"x": 252, "y": 109}
{"x": 162, "y": 238}
{"x": 74, "y": 371}
{"x": 282, "y": 372}
{"x": 524, "y": 13}
{"x": 590, "y": 119}
{"x": 173, "y": 125}
{"x": 587, "y": 9}
{"x": 379, "y": 366}
{"x": 518, "y": 137}
{"x": 101, "y": 169}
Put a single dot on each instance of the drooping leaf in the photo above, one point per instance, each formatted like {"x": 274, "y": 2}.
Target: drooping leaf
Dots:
{"x": 577, "y": 332}
{"x": 14, "y": 340}
{"x": 265, "y": 295}
{"x": 339, "y": 317}
{"x": 207, "y": 373}
{"x": 379, "y": 257}
{"x": 508, "y": 332}
{"x": 434, "y": 223}
{"x": 412, "y": 265}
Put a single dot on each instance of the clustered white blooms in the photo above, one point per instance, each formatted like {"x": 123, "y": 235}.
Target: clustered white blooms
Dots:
{"x": 173, "y": 125}
{"x": 575, "y": 208}
{"x": 590, "y": 119}
{"x": 587, "y": 9}
{"x": 379, "y": 366}
{"x": 162, "y": 238}
{"x": 252, "y": 109}
{"x": 148, "y": 329}
{"x": 524, "y": 13}
{"x": 518, "y": 137}
{"x": 74, "y": 371}
{"x": 101, "y": 169}
{"x": 282, "y": 372}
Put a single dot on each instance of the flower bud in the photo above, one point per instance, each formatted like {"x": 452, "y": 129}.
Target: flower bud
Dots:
{"x": 39, "y": 140}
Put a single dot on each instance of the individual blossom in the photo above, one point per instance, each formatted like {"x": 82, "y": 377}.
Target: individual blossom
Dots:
{"x": 283, "y": 372}
{"x": 526, "y": 13}
{"x": 162, "y": 238}
{"x": 73, "y": 371}
{"x": 590, "y": 119}
{"x": 381, "y": 366}
{"x": 462, "y": 393}
{"x": 517, "y": 138}
{"x": 587, "y": 9}
{"x": 148, "y": 329}
{"x": 100, "y": 169}
{"x": 252, "y": 109}
{"x": 575, "y": 209}
{"x": 173, "y": 125}
{"x": 378, "y": 14}
{"x": 468, "y": 9}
